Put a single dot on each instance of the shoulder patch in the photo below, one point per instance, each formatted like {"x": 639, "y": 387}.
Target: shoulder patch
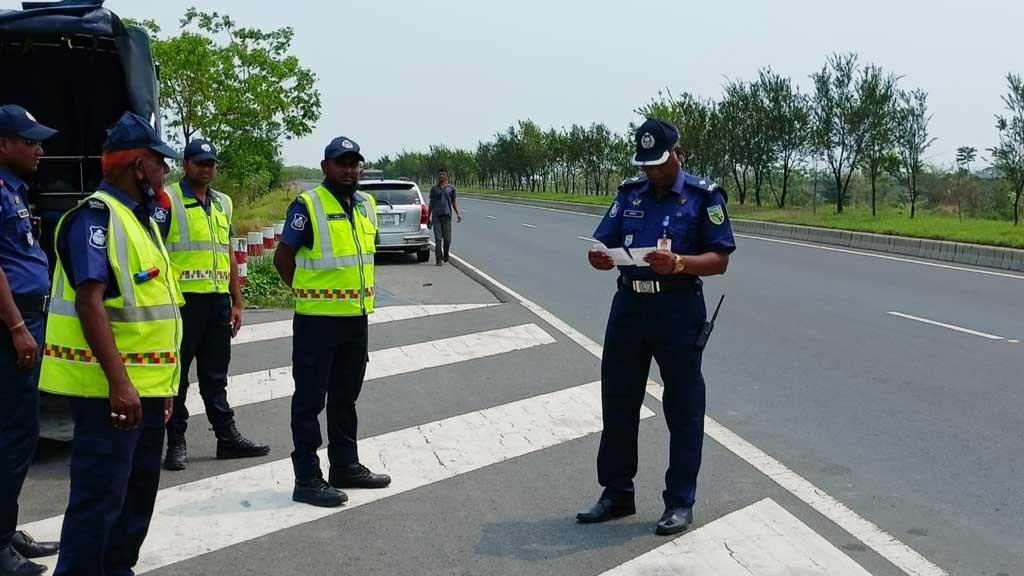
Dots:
{"x": 299, "y": 222}
{"x": 98, "y": 237}
{"x": 160, "y": 214}
{"x": 716, "y": 214}
{"x": 96, "y": 204}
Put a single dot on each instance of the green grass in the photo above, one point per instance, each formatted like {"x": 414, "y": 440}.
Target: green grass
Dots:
{"x": 932, "y": 224}
{"x": 265, "y": 288}
{"x": 265, "y": 211}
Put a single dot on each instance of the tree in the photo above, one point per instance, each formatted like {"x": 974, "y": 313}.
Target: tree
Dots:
{"x": 239, "y": 87}
{"x": 1008, "y": 156}
{"x": 787, "y": 125}
{"x": 911, "y": 139}
{"x": 693, "y": 117}
{"x": 878, "y": 91}
{"x": 840, "y": 119}
{"x": 965, "y": 156}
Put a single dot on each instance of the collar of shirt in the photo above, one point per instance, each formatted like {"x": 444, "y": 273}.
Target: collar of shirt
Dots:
{"x": 186, "y": 189}
{"x": 677, "y": 186}
{"x": 141, "y": 211}
{"x": 7, "y": 177}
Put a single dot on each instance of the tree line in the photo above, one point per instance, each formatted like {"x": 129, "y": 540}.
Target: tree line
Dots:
{"x": 858, "y": 130}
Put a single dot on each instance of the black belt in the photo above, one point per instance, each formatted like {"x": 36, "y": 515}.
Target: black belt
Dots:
{"x": 659, "y": 286}
{"x": 31, "y": 304}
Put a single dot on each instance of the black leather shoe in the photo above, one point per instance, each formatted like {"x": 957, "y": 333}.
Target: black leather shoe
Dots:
{"x": 177, "y": 453}
{"x": 316, "y": 492}
{"x": 674, "y": 521}
{"x": 231, "y": 445}
{"x": 358, "y": 476}
{"x": 606, "y": 509}
{"x": 29, "y": 548}
{"x": 12, "y": 563}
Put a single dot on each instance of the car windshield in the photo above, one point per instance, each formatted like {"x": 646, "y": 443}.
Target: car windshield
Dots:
{"x": 392, "y": 195}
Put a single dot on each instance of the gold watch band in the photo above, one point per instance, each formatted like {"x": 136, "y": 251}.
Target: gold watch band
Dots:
{"x": 680, "y": 265}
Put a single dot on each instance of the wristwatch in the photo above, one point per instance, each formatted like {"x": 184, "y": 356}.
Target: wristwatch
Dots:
{"x": 680, "y": 265}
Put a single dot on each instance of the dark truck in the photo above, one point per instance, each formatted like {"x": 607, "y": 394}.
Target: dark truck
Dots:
{"x": 77, "y": 68}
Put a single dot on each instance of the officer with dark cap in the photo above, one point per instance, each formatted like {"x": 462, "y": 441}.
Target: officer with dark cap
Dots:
{"x": 113, "y": 336}
{"x": 326, "y": 257}
{"x": 24, "y": 286}
{"x": 679, "y": 222}
{"x": 197, "y": 232}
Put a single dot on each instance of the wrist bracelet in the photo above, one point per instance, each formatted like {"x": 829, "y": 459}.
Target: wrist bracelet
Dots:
{"x": 16, "y": 326}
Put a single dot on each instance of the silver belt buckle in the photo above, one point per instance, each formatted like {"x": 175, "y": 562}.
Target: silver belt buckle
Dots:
{"x": 645, "y": 286}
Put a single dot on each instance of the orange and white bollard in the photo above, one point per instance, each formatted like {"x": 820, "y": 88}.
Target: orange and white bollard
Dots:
{"x": 240, "y": 248}
{"x": 278, "y": 231}
{"x": 268, "y": 238}
{"x": 255, "y": 243}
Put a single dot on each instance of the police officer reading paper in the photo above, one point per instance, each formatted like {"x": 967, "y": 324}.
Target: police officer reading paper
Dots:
{"x": 674, "y": 229}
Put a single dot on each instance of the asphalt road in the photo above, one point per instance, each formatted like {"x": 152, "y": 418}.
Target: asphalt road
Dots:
{"x": 488, "y": 417}
{"x": 917, "y": 427}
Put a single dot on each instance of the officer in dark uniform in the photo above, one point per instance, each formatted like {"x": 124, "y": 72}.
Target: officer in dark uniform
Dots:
{"x": 24, "y": 286}
{"x": 657, "y": 312}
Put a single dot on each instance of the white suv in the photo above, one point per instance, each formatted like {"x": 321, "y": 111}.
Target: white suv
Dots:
{"x": 401, "y": 217}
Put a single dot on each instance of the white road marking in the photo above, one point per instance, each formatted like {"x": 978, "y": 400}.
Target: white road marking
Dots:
{"x": 883, "y": 257}
{"x": 264, "y": 385}
{"x": 587, "y": 238}
{"x": 886, "y": 545}
{"x": 760, "y": 539}
{"x": 492, "y": 217}
{"x": 948, "y": 326}
{"x": 527, "y": 225}
{"x": 283, "y": 328}
{"x": 803, "y": 244}
{"x": 220, "y": 511}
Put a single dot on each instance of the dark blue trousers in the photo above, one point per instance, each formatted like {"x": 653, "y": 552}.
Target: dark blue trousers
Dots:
{"x": 664, "y": 327}
{"x": 330, "y": 355}
{"x": 114, "y": 480}
{"x": 19, "y": 422}
{"x": 206, "y": 319}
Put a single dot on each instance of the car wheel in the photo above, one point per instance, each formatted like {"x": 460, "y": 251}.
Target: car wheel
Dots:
{"x": 423, "y": 255}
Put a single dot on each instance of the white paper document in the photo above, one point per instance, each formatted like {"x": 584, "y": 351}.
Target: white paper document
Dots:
{"x": 619, "y": 255}
{"x": 640, "y": 253}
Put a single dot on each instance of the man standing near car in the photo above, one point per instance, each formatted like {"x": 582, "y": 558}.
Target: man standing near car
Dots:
{"x": 197, "y": 232}
{"x": 24, "y": 286}
{"x": 326, "y": 256}
{"x": 439, "y": 215}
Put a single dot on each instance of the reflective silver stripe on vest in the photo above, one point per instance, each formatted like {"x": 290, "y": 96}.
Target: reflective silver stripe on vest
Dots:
{"x": 180, "y": 217}
{"x": 225, "y": 203}
{"x": 332, "y": 262}
{"x": 130, "y": 313}
{"x": 326, "y": 247}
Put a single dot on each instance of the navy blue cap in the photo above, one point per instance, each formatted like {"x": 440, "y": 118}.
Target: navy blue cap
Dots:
{"x": 654, "y": 140}
{"x": 341, "y": 146}
{"x": 16, "y": 121}
{"x": 131, "y": 132}
{"x": 200, "y": 150}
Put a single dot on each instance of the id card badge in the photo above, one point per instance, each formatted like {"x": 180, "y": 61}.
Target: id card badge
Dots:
{"x": 665, "y": 244}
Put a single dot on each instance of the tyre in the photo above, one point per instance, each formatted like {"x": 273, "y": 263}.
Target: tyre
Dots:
{"x": 423, "y": 255}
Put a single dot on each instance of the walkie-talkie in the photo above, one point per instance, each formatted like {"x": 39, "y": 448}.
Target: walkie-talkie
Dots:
{"x": 705, "y": 332}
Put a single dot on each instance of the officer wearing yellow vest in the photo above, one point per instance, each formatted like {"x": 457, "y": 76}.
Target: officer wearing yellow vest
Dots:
{"x": 326, "y": 257}
{"x": 112, "y": 341}
{"x": 197, "y": 232}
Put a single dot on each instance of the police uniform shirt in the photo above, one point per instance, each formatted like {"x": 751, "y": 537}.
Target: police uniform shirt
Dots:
{"x": 21, "y": 257}
{"x": 298, "y": 232}
{"x": 83, "y": 238}
{"x": 692, "y": 215}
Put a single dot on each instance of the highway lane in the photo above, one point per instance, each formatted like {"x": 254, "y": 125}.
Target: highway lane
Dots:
{"x": 916, "y": 426}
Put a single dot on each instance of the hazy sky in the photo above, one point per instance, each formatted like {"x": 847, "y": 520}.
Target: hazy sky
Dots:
{"x": 404, "y": 75}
